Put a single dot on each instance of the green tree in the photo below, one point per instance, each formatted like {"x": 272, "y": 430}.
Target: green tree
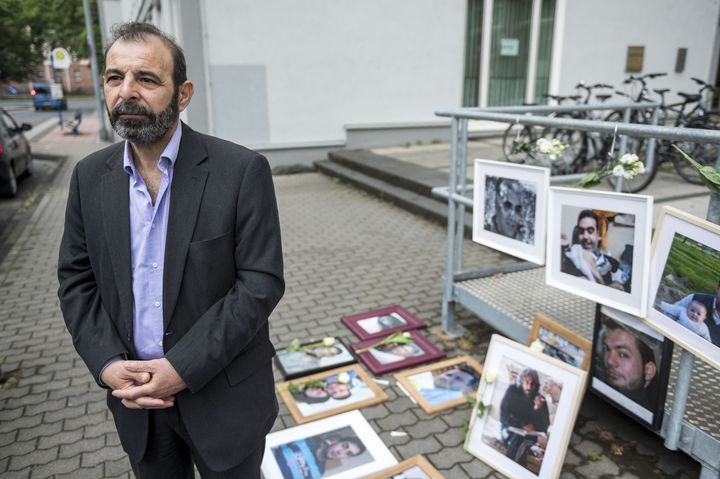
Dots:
{"x": 32, "y": 28}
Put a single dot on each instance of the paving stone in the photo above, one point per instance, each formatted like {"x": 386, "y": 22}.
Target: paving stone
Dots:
{"x": 85, "y": 420}
{"x": 102, "y": 455}
{"x": 117, "y": 467}
{"x": 18, "y": 448}
{"x": 451, "y": 438}
{"x": 60, "y": 438}
{"x": 58, "y": 466}
{"x": 20, "y": 423}
{"x": 572, "y": 458}
{"x": 34, "y": 458}
{"x": 10, "y": 414}
{"x": 455, "y": 472}
{"x": 476, "y": 468}
{"x": 81, "y": 446}
{"x": 425, "y": 446}
{"x": 45, "y": 429}
{"x": 598, "y": 468}
{"x": 449, "y": 456}
{"x": 588, "y": 448}
{"x": 397, "y": 420}
{"x": 423, "y": 429}
{"x": 96, "y": 472}
{"x": 45, "y": 406}
{"x": 99, "y": 429}
{"x": 68, "y": 412}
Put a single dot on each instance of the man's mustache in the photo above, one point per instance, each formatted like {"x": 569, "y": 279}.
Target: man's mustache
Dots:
{"x": 132, "y": 108}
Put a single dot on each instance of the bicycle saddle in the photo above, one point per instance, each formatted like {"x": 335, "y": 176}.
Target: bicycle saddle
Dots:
{"x": 602, "y": 97}
{"x": 660, "y": 91}
{"x": 689, "y": 96}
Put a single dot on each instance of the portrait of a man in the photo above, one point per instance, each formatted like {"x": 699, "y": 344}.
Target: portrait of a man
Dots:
{"x": 510, "y": 208}
{"x": 586, "y": 249}
{"x": 628, "y": 361}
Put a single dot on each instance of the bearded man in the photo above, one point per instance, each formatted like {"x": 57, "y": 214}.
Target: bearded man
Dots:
{"x": 169, "y": 267}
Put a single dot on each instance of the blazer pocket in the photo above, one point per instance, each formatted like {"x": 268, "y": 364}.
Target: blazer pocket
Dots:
{"x": 249, "y": 361}
{"x": 211, "y": 263}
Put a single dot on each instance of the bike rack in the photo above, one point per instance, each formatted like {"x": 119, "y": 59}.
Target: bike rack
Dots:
{"x": 702, "y": 445}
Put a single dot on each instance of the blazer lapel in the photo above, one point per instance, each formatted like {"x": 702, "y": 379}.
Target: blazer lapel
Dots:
{"x": 187, "y": 188}
{"x": 116, "y": 222}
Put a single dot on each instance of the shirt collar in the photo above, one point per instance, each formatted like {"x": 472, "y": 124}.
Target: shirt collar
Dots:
{"x": 170, "y": 152}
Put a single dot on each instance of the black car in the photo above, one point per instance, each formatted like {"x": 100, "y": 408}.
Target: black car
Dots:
{"x": 15, "y": 155}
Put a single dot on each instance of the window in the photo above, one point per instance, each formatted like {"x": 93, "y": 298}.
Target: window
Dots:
{"x": 635, "y": 59}
{"x": 77, "y": 75}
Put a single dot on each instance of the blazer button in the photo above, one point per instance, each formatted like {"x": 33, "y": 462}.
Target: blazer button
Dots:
{"x": 129, "y": 337}
{"x": 168, "y": 333}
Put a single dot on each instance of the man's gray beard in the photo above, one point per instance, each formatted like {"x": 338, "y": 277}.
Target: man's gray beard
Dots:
{"x": 144, "y": 132}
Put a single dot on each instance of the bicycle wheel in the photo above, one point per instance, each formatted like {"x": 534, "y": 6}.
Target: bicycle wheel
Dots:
{"x": 703, "y": 153}
{"x": 639, "y": 182}
{"x": 514, "y": 135}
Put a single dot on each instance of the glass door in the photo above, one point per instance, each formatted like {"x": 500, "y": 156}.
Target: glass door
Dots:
{"x": 509, "y": 52}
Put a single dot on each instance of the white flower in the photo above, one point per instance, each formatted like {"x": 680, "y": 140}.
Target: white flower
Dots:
{"x": 543, "y": 145}
{"x": 328, "y": 341}
{"x": 640, "y": 168}
{"x": 406, "y": 334}
{"x": 490, "y": 376}
{"x": 629, "y": 175}
{"x": 537, "y": 346}
{"x": 628, "y": 158}
{"x": 618, "y": 171}
{"x": 343, "y": 378}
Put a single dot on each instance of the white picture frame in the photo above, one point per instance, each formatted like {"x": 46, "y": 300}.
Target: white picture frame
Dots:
{"x": 623, "y": 247}
{"x": 704, "y": 237}
{"x": 522, "y": 233}
{"x": 560, "y": 387}
{"x": 291, "y": 448}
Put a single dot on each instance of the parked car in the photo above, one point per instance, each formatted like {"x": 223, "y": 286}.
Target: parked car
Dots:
{"x": 42, "y": 98}
{"x": 15, "y": 154}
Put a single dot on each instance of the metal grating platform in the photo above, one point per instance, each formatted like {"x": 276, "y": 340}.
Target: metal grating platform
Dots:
{"x": 508, "y": 302}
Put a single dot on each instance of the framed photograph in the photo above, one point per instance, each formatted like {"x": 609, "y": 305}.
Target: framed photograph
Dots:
{"x": 509, "y": 208}
{"x": 559, "y": 342}
{"x": 525, "y": 410}
{"x": 599, "y": 246}
{"x": 330, "y": 392}
{"x": 685, "y": 283}
{"x": 444, "y": 384}
{"x": 384, "y": 355}
{"x": 417, "y": 467}
{"x": 381, "y": 322}
{"x": 630, "y": 365}
{"x": 301, "y": 359}
{"x": 336, "y": 447}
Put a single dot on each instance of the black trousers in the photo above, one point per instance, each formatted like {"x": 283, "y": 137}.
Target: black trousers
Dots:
{"x": 171, "y": 455}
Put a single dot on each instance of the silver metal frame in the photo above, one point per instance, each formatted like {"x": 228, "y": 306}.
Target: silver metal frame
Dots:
{"x": 678, "y": 434}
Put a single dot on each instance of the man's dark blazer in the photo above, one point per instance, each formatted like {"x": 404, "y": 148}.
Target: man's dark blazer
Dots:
{"x": 223, "y": 276}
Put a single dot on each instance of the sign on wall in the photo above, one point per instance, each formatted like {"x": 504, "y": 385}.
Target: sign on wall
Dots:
{"x": 509, "y": 47}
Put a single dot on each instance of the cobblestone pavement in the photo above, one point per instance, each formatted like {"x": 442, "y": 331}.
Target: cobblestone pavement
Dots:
{"x": 345, "y": 252}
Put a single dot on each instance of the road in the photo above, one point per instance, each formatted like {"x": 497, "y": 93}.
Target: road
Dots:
{"x": 23, "y": 111}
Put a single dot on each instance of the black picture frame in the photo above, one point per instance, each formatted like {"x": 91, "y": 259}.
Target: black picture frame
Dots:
{"x": 287, "y": 361}
{"x": 645, "y": 404}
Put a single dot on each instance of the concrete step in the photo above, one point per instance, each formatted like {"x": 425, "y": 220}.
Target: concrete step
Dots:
{"x": 413, "y": 201}
{"x": 409, "y": 176}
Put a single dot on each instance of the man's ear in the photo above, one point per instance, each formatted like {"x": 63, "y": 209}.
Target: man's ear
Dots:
{"x": 187, "y": 89}
{"x": 650, "y": 372}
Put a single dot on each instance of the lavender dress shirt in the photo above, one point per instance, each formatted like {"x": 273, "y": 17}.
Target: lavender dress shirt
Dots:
{"x": 148, "y": 230}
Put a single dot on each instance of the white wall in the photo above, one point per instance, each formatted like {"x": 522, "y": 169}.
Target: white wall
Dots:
{"x": 597, "y": 34}
{"x": 328, "y": 63}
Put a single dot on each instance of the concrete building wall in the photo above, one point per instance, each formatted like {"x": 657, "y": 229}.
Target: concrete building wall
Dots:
{"x": 597, "y": 36}
{"x": 289, "y": 72}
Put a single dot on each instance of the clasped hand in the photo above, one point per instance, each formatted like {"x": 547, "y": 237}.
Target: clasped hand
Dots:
{"x": 150, "y": 384}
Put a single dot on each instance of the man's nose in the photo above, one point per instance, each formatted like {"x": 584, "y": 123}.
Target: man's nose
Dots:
{"x": 128, "y": 89}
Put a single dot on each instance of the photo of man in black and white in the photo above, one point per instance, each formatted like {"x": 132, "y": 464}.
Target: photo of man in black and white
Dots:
{"x": 510, "y": 208}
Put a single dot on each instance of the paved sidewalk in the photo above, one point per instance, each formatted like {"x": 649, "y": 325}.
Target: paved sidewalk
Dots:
{"x": 345, "y": 252}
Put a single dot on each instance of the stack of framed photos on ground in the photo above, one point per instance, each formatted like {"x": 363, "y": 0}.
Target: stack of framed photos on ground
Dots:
{"x": 323, "y": 387}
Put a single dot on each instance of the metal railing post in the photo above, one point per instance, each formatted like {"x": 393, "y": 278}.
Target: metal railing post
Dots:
{"x": 448, "y": 308}
{"x": 462, "y": 183}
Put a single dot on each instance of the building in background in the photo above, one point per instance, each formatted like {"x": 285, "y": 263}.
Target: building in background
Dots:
{"x": 295, "y": 79}
{"x": 75, "y": 79}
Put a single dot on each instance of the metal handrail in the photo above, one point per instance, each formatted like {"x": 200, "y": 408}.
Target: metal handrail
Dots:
{"x": 632, "y": 129}
{"x": 645, "y": 105}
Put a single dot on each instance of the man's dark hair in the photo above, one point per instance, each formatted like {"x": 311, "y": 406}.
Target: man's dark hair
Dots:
{"x": 139, "y": 31}
{"x": 589, "y": 214}
{"x": 646, "y": 352}
{"x": 531, "y": 373}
